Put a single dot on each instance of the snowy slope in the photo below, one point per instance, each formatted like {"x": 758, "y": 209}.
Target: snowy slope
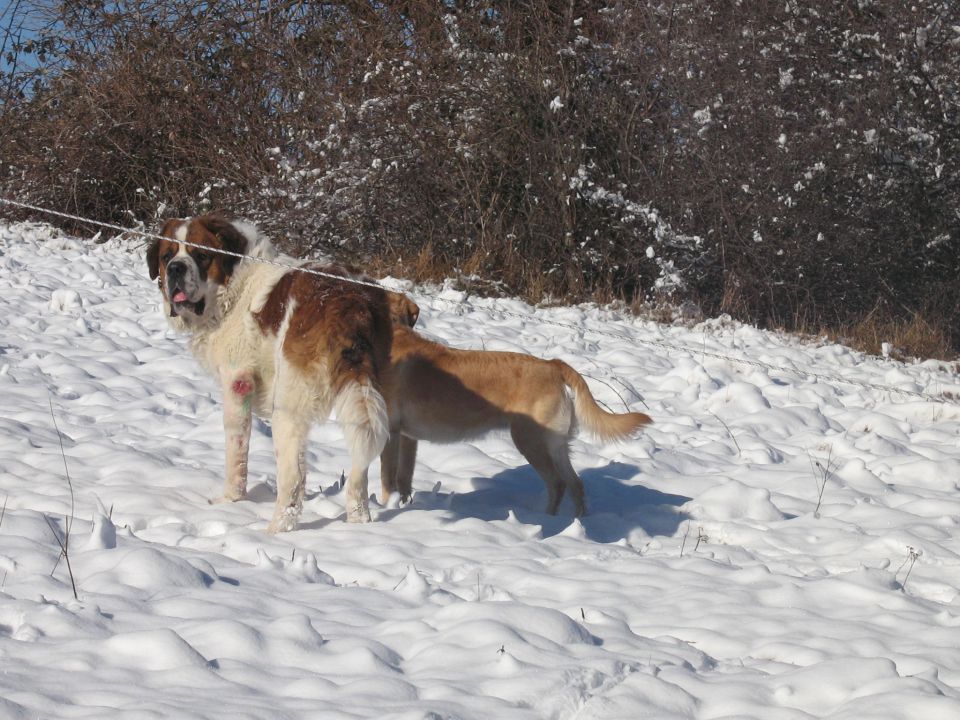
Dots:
{"x": 705, "y": 582}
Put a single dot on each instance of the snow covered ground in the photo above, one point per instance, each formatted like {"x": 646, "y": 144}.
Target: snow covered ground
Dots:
{"x": 704, "y": 583}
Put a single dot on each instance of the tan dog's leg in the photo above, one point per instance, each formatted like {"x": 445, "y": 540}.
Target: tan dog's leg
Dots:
{"x": 237, "y": 421}
{"x": 405, "y": 463}
{"x": 289, "y": 439}
{"x": 388, "y": 467}
{"x": 530, "y": 441}
{"x": 396, "y": 466}
{"x": 571, "y": 480}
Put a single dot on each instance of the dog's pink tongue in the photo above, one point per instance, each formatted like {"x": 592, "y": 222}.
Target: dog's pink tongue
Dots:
{"x": 180, "y": 297}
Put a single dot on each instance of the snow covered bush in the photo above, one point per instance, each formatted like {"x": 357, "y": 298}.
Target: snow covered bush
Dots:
{"x": 789, "y": 163}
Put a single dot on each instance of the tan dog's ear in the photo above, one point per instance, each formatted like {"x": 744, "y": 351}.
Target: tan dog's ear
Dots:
{"x": 403, "y": 310}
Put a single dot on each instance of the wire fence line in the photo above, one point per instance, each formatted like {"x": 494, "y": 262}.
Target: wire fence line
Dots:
{"x": 660, "y": 344}
{"x": 154, "y": 236}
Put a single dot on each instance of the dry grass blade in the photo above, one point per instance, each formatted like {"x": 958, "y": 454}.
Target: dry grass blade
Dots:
{"x": 64, "y": 542}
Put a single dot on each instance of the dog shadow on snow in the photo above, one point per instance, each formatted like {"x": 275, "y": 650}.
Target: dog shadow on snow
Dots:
{"x": 617, "y": 503}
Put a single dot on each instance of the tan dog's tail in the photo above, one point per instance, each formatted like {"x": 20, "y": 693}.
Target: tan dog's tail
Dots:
{"x": 594, "y": 419}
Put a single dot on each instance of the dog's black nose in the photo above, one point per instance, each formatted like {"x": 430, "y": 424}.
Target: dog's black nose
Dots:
{"x": 176, "y": 270}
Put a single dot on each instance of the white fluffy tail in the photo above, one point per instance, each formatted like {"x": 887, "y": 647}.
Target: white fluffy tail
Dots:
{"x": 362, "y": 412}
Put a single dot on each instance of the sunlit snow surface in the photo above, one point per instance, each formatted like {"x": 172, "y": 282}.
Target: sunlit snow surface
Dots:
{"x": 702, "y": 584}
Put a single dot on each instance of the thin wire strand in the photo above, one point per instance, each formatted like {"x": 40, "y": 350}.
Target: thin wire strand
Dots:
{"x": 206, "y": 248}
{"x": 664, "y": 345}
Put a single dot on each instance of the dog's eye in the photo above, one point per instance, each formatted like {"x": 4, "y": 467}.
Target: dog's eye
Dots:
{"x": 167, "y": 256}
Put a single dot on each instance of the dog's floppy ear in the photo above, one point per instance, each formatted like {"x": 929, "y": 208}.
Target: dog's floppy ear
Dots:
{"x": 153, "y": 252}
{"x": 232, "y": 238}
{"x": 403, "y": 310}
{"x": 413, "y": 311}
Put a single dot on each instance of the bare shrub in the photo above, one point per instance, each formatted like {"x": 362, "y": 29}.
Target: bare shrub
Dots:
{"x": 793, "y": 164}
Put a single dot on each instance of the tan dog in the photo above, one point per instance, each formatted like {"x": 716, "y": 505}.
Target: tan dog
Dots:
{"x": 443, "y": 394}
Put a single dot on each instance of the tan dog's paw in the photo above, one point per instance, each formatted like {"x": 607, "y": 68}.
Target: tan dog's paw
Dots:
{"x": 392, "y": 501}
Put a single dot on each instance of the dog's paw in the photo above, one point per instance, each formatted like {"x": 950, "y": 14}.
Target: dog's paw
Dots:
{"x": 283, "y": 521}
{"x": 358, "y": 513}
{"x": 393, "y": 501}
{"x": 228, "y": 498}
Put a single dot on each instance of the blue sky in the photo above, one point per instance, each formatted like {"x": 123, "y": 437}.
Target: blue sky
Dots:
{"x": 16, "y": 20}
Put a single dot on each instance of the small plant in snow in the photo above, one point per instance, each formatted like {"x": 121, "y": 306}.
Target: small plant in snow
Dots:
{"x": 727, "y": 428}
{"x": 821, "y": 473}
{"x": 64, "y": 542}
{"x": 912, "y": 555}
{"x": 701, "y": 537}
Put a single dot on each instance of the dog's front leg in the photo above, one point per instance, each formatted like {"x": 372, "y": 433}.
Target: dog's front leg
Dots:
{"x": 238, "y": 393}
{"x": 396, "y": 466}
{"x": 406, "y": 459}
{"x": 388, "y": 467}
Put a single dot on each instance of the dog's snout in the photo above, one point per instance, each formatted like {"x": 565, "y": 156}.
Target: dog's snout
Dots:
{"x": 176, "y": 270}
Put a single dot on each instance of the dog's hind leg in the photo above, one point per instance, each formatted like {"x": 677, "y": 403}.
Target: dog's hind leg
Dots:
{"x": 362, "y": 413}
{"x": 289, "y": 438}
{"x": 530, "y": 441}
{"x": 560, "y": 455}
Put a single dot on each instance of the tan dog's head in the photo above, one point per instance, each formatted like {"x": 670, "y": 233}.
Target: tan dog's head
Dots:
{"x": 189, "y": 276}
{"x": 403, "y": 310}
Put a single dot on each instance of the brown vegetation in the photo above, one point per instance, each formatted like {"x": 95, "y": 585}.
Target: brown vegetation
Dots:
{"x": 792, "y": 164}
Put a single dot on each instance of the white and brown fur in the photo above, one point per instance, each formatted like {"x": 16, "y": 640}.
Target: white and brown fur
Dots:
{"x": 443, "y": 394}
{"x": 286, "y": 345}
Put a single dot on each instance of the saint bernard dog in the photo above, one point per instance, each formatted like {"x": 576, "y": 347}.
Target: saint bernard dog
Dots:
{"x": 443, "y": 394}
{"x": 284, "y": 344}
